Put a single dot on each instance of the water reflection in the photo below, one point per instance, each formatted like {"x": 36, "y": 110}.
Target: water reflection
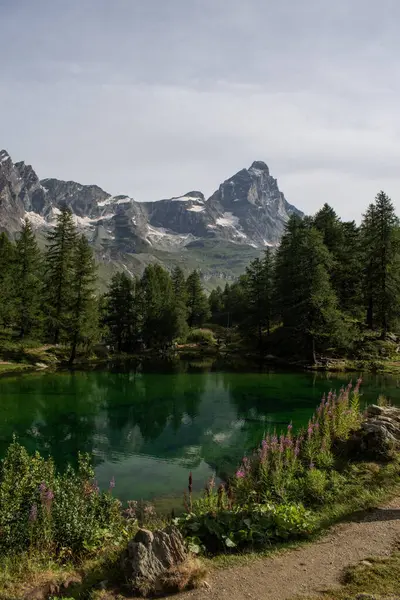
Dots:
{"x": 149, "y": 425}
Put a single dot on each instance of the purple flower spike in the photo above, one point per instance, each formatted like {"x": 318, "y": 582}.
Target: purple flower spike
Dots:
{"x": 112, "y": 483}
{"x": 240, "y": 474}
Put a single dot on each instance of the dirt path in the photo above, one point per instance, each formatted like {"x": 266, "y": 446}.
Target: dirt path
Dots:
{"x": 310, "y": 569}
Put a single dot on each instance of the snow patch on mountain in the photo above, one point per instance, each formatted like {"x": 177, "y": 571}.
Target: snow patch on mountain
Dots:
{"x": 35, "y": 219}
{"x": 196, "y": 208}
{"x": 227, "y": 220}
{"x": 187, "y": 199}
{"x": 115, "y": 200}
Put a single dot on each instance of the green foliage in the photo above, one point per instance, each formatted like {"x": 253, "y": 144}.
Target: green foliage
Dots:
{"x": 28, "y": 281}
{"x": 163, "y": 317}
{"x": 120, "y": 313}
{"x": 83, "y": 323}
{"x": 59, "y": 269}
{"x": 259, "y": 294}
{"x": 197, "y": 302}
{"x": 309, "y": 311}
{"x": 244, "y": 527}
{"x": 381, "y": 256}
{"x": 64, "y": 513}
{"x": 7, "y": 261}
{"x": 201, "y": 336}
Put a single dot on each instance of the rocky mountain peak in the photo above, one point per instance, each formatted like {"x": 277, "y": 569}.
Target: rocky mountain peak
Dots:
{"x": 4, "y": 157}
{"x": 259, "y": 167}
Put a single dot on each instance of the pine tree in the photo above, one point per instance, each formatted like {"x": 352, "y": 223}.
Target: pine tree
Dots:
{"x": 198, "y": 306}
{"x": 216, "y": 304}
{"x": 343, "y": 242}
{"x": 83, "y": 320}
{"x": 28, "y": 280}
{"x": 7, "y": 281}
{"x": 259, "y": 294}
{"x": 121, "y": 313}
{"x": 163, "y": 319}
{"x": 179, "y": 284}
{"x": 381, "y": 244}
{"x": 181, "y": 298}
{"x": 59, "y": 258}
{"x": 309, "y": 308}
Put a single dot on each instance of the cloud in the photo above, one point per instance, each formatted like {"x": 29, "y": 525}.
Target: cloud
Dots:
{"x": 154, "y": 98}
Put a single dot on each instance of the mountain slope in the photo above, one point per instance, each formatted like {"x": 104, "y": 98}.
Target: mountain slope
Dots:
{"x": 219, "y": 235}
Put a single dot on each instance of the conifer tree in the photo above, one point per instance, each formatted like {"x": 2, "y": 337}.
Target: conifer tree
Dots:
{"x": 259, "y": 295}
{"x": 216, "y": 304}
{"x": 121, "y": 313}
{"x": 181, "y": 298}
{"x": 28, "y": 280}
{"x": 7, "y": 280}
{"x": 163, "y": 319}
{"x": 309, "y": 309}
{"x": 59, "y": 273}
{"x": 381, "y": 244}
{"x": 83, "y": 319}
{"x": 198, "y": 307}
{"x": 343, "y": 242}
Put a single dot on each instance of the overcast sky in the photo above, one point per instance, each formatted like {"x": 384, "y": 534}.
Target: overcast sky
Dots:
{"x": 154, "y": 98}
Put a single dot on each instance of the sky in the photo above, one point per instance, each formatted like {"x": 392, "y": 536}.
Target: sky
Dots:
{"x": 154, "y": 98}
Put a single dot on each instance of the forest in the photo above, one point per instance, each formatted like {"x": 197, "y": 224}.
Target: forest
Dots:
{"x": 327, "y": 283}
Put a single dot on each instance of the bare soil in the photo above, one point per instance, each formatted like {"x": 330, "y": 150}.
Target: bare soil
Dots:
{"x": 310, "y": 569}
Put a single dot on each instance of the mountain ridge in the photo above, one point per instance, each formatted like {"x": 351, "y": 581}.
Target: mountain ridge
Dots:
{"x": 247, "y": 212}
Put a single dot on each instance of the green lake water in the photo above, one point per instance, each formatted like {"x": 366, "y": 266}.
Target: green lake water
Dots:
{"x": 149, "y": 429}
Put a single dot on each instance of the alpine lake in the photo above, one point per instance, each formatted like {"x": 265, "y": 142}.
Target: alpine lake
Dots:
{"x": 149, "y": 426}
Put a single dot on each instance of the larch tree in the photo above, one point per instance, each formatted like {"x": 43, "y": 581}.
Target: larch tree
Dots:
{"x": 83, "y": 319}
{"x": 28, "y": 280}
{"x": 197, "y": 301}
{"x": 59, "y": 262}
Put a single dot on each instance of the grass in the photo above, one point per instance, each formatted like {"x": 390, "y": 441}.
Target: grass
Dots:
{"x": 378, "y": 577}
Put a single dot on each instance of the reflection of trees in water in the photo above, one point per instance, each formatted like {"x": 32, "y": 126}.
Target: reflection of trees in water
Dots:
{"x": 178, "y": 411}
{"x": 55, "y": 414}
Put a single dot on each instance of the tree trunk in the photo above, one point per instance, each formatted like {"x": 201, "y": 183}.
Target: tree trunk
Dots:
{"x": 370, "y": 314}
{"x": 73, "y": 350}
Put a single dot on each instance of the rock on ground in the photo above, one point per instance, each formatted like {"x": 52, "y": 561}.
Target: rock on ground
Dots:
{"x": 149, "y": 556}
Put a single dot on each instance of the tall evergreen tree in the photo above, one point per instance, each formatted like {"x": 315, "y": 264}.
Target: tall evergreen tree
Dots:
{"x": 343, "y": 242}
{"x": 59, "y": 273}
{"x": 181, "y": 298}
{"x": 164, "y": 319}
{"x": 7, "y": 280}
{"x": 121, "y": 313}
{"x": 216, "y": 304}
{"x": 381, "y": 243}
{"x": 28, "y": 280}
{"x": 309, "y": 310}
{"x": 198, "y": 307}
{"x": 83, "y": 319}
{"x": 179, "y": 284}
{"x": 259, "y": 294}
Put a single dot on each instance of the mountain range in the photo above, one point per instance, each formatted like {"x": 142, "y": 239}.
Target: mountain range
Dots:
{"x": 218, "y": 235}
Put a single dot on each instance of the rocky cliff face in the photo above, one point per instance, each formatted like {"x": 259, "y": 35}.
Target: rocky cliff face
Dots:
{"x": 247, "y": 210}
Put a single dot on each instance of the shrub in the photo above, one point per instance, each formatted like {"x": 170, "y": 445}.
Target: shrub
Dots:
{"x": 243, "y": 527}
{"x": 201, "y": 336}
{"x": 282, "y": 467}
{"x": 41, "y": 508}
